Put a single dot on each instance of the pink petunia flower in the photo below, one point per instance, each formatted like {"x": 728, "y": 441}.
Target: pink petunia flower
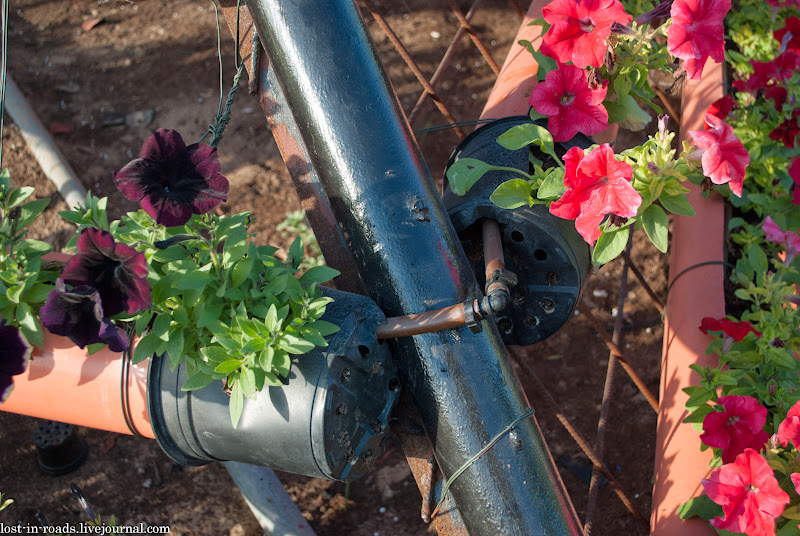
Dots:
{"x": 737, "y": 427}
{"x": 723, "y": 156}
{"x": 789, "y": 35}
{"x": 789, "y": 429}
{"x": 579, "y": 30}
{"x": 749, "y": 494}
{"x": 720, "y": 108}
{"x": 696, "y": 33}
{"x": 777, "y": 94}
{"x": 789, "y": 239}
{"x": 796, "y": 481}
{"x": 735, "y": 330}
{"x": 572, "y": 106}
{"x": 597, "y": 184}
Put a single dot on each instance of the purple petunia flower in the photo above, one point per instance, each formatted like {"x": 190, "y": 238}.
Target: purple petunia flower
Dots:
{"x": 117, "y": 271}
{"x": 173, "y": 181}
{"x": 78, "y": 314}
{"x": 14, "y": 354}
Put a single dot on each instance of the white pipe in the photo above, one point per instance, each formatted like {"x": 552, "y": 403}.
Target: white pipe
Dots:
{"x": 268, "y": 500}
{"x": 44, "y": 149}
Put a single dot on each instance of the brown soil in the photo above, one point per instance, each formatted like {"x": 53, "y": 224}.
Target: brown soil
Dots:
{"x": 161, "y": 56}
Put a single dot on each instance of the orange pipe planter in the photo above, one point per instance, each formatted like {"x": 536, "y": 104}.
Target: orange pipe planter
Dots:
{"x": 679, "y": 464}
{"x": 64, "y": 383}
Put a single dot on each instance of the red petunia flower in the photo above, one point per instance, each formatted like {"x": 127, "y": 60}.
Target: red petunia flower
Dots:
{"x": 784, "y": 3}
{"x": 787, "y": 131}
{"x": 572, "y": 106}
{"x": 794, "y": 173}
{"x": 777, "y": 94}
{"x": 789, "y": 429}
{"x": 790, "y": 33}
{"x": 789, "y": 239}
{"x": 597, "y": 184}
{"x": 696, "y": 33}
{"x": 737, "y": 427}
{"x": 735, "y": 330}
{"x": 796, "y": 481}
{"x": 720, "y": 108}
{"x": 579, "y": 30}
{"x": 749, "y": 494}
{"x": 767, "y": 72}
{"x": 723, "y": 156}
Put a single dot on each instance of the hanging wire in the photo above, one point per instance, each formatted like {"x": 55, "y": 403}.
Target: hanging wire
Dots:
{"x": 692, "y": 267}
{"x": 3, "y": 70}
{"x": 453, "y": 125}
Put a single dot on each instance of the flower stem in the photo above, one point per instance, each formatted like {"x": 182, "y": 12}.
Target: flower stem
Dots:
{"x": 515, "y": 170}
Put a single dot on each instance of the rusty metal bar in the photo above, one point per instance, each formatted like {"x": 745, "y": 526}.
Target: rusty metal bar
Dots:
{"x": 579, "y": 440}
{"x": 401, "y": 49}
{"x": 640, "y": 277}
{"x": 517, "y": 8}
{"x": 474, "y": 36}
{"x": 608, "y": 393}
{"x": 637, "y": 380}
{"x": 448, "y": 55}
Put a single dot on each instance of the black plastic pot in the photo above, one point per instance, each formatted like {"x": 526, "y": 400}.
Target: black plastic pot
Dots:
{"x": 548, "y": 255}
{"x": 329, "y": 421}
{"x": 59, "y": 449}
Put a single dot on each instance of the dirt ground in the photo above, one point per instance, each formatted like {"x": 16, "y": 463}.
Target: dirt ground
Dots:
{"x": 161, "y": 56}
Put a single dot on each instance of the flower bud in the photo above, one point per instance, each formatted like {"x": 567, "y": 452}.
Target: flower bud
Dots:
{"x": 661, "y": 11}
{"x": 652, "y": 167}
{"x": 621, "y": 29}
{"x": 774, "y": 442}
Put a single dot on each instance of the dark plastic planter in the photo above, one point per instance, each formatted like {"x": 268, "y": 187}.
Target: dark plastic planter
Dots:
{"x": 329, "y": 421}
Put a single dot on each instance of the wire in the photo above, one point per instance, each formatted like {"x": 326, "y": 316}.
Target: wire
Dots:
{"x": 453, "y": 125}
{"x": 472, "y": 460}
{"x": 3, "y": 70}
{"x": 692, "y": 267}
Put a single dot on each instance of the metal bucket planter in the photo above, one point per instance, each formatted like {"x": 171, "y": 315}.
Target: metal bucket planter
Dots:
{"x": 328, "y": 421}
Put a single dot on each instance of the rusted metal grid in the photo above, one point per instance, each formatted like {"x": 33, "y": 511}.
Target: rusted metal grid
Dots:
{"x": 460, "y": 127}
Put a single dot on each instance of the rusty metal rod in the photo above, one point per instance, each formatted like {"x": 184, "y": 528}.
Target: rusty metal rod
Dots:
{"x": 584, "y": 446}
{"x": 637, "y": 380}
{"x": 474, "y": 36}
{"x": 608, "y": 393}
{"x": 448, "y": 55}
{"x": 401, "y": 49}
{"x": 640, "y": 277}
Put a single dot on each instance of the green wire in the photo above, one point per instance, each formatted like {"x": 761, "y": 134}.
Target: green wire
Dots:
{"x": 472, "y": 460}
{"x": 4, "y": 16}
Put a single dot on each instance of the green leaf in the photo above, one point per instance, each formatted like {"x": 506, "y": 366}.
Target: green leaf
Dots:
{"x": 677, "y": 204}
{"x": 228, "y": 366}
{"x": 19, "y": 195}
{"x": 248, "y": 381}
{"x": 757, "y": 258}
{"x": 195, "y": 279}
{"x": 198, "y": 380}
{"x": 701, "y": 506}
{"x": 313, "y": 336}
{"x": 180, "y": 315}
{"x": 272, "y": 319}
{"x": 325, "y": 328}
{"x": 28, "y": 325}
{"x": 789, "y": 529}
{"x": 294, "y": 344}
{"x": 545, "y": 64}
{"x": 236, "y": 403}
{"x": 171, "y": 254}
{"x": 513, "y": 193}
{"x": 699, "y": 414}
{"x": 146, "y": 347}
{"x": 520, "y": 136}
{"x": 92, "y": 349}
{"x": 282, "y": 362}
{"x": 609, "y": 246}
{"x": 253, "y": 345}
{"x": 553, "y": 185}
{"x": 161, "y": 326}
{"x": 296, "y": 252}
{"x": 215, "y": 354}
{"x": 175, "y": 343}
{"x": 622, "y": 85}
{"x": 656, "y": 225}
{"x": 319, "y": 274}
{"x": 30, "y": 211}
{"x": 14, "y": 293}
{"x": 241, "y": 271}
{"x": 72, "y": 217}
{"x": 464, "y": 173}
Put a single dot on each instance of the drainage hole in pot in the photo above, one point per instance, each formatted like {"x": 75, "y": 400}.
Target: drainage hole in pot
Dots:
{"x": 344, "y": 439}
{"x": 516, "y": 236}
{"x": 547, "y": 305}
{"x": 530, "y": 321}
{"x": 376, "y": 426}
{"x": 376, "y": 368}
{"x": 553, "y": 278}
{"x": 348, "y": 454}
{"x": 363, "y": 350}
{"x": 394, "y": 384}
{"x": 341, "y": 409}
{"x": 367, "y": 455}
{"x": 540, "y": 255}
{"x": 504, "y": 325}
{"x": 346, "y": 375}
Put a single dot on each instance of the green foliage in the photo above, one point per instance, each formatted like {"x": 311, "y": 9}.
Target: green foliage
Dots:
{"x": 25, "y": 280}
{"x": 295, "y": 224}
